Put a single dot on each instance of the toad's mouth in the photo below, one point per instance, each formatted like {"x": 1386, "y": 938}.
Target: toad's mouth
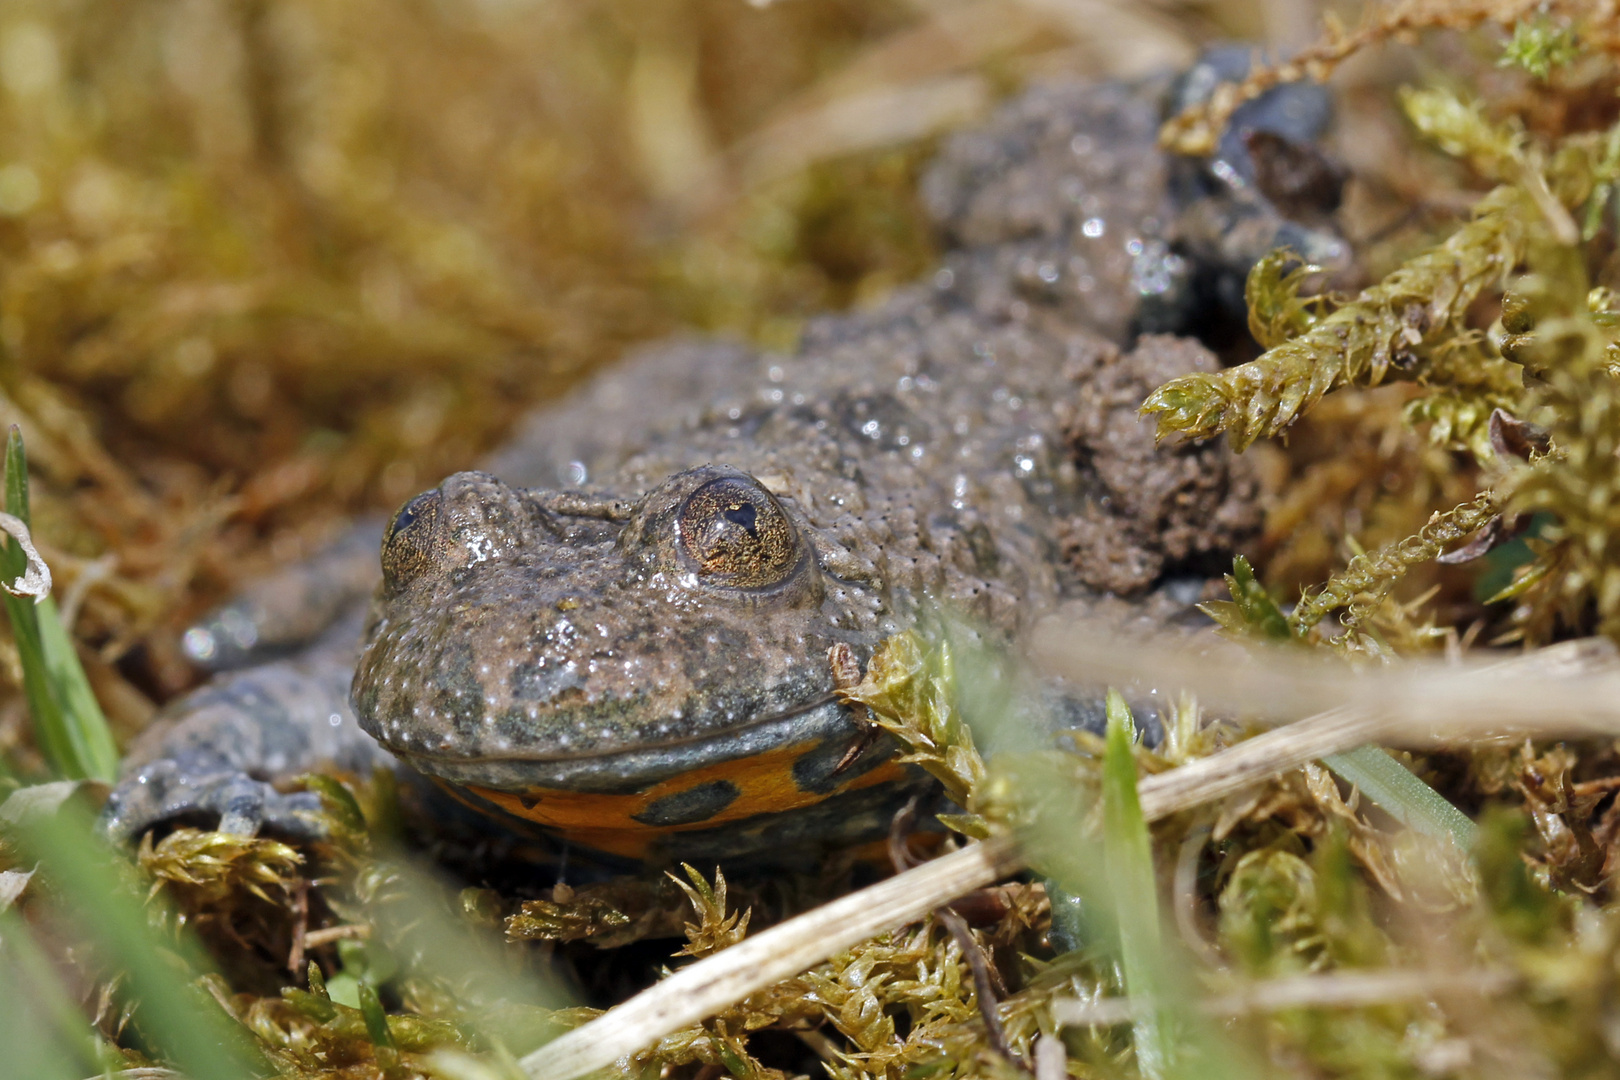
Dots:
{"x": 820, "y": 731}
{"x": 516, "y": 679}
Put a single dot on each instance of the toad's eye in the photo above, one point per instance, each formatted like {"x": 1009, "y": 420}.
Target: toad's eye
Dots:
{"x": 407, "y": 548}
{"x": 735, "y": 534}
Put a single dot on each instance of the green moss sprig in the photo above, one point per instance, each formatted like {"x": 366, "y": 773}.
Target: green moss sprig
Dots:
{"x": 1539, "y": 46}
{"x": 1412, "y": 325}
{"x": 715, "y": 929}
{"x": 1576, "y": 573}
{"x": 909, "y": 691}
{"x": 607, "y": 914}
{"x": 1277, "y": 311}
{"x": 1396, "y": 329}
{"x": 1461, "y": 128}
{"x": 1370, "y": 577}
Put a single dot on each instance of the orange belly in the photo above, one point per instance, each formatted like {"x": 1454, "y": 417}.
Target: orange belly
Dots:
{"x": 627, "y": 824}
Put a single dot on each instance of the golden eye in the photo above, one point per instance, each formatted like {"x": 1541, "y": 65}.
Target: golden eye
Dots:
{"x": 407, "y": 548}
{"x": 736, "y": 534}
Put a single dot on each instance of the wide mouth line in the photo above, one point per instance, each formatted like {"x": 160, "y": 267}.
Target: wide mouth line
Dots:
{"x": 626, "y": 751}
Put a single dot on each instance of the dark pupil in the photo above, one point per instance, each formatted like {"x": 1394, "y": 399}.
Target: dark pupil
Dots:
{"x": 408, "y": 513}
{"x": 408, "y": 548}
{"x": 744, "y": 515}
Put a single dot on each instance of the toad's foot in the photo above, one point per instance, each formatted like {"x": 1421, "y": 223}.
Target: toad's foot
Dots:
{"x": 205, "y": 789}
{"x": 214, "y": 755}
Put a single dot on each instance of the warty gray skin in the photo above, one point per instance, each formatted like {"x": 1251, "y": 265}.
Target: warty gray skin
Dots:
{"x": 924, "y": 459}
{"x": 972, "y": 443}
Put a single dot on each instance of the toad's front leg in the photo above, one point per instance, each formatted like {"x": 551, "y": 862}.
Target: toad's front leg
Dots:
{"x": 215, "y": 756}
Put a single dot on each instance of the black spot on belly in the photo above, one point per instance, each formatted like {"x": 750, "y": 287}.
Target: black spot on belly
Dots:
{"x": 798, "y": 837}
{"x": 813, "y": 770}
{"x": 693, "y": 805}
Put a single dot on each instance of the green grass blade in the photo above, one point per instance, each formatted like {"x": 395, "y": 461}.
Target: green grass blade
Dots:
{"x": 1391, "y": 786}
{"x": 175, "y": 1015}
{"x": 1172, "y": 1041}
{"x": 44, "y": 1034}
{"x": 95, "y": 751}
{"x": 1128, "y": 857}
{"x": 505, "y": 1005}
{"x": 50, "y": 730}
{"x": 69, "y": 726}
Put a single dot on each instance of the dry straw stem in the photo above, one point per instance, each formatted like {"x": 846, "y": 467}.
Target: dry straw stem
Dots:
{"x": 722, "y": 980}
{"x": 1390, "y": 329}
{"x": 1568, "y": 689}
{"x": 1196, "y": 130}
{"x": 1333, "y": 990}
{"x": 708, "y": 986}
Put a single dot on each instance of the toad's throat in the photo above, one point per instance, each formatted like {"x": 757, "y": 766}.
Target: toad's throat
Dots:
{"x": 762, "y": 723}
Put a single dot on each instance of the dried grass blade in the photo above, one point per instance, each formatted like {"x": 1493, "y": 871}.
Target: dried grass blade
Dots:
{"x": 1567, "y": 689}
{"x": 1332, "y": 990}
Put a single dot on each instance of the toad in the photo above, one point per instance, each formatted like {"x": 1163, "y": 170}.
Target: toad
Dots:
{"x": 619, "y": 634}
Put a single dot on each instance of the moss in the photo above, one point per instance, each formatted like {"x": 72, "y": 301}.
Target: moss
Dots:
{"x": 1539, "y": 45}
{"x": 1406, "y": 327}
{"x": 909, "y": 692}
{"x": 1362, "y": 585}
